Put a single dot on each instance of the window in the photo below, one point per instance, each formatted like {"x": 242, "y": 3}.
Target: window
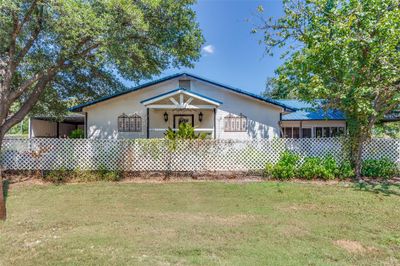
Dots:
{"x": 131, "y": 123}
{"x": 328, "y": 132}
{"x": 233, "y": 123}
{"x": 306, "y": 132}
{"x": 291, "y": 132}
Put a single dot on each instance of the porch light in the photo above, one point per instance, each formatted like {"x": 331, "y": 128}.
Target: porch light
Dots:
{"x": 201, "y": 116}
{"x": 165, "y": 117}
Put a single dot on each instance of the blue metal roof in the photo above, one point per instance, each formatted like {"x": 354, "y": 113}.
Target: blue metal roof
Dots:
{"x": 296, "y": 104}
{"x": 317, "y": 114}
{"x": 78, "y": 108}
{"x": 181, "y": 89}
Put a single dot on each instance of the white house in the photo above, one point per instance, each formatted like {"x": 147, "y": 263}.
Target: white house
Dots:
{"x": 221, "y": 111}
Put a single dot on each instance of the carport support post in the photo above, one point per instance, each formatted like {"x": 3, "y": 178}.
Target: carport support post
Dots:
{"x": 148, "y": 123}
{"x": 30, "y": 127}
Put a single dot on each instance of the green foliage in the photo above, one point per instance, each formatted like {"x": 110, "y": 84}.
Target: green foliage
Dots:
{"x": 20, "y": 128}
{"x": 185, "y": 131}
{"x": 80, "y": 50}
{"x": 315, "y": 167}
{"x": 58, "y": 176}
{"x": 311, "y": 168}
{"x": 269, "y": 167}
{"x": 387, "y": 130}
{"x": 286, "y": 167}
{"x": 379, "y": 168}
{"x": 77, "y": 134}
{"x": 346, "y": 52}
{"x": 62, "y": 175}
{"x": 346, "y": 170}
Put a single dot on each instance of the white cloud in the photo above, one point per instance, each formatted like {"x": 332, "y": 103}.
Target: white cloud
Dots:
{"x": 209, "y": 49}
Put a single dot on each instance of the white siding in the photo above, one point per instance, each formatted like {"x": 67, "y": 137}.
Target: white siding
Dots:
{"x": 42, "y": 128}
{"x": 262, "y": 117}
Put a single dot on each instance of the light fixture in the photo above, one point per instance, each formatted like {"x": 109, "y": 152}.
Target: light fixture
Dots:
{"x": 201, "y": 116}
{"x": 165, "y": 117}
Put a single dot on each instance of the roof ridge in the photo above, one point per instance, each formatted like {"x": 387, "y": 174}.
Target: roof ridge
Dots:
{"x": 79, "y": 107}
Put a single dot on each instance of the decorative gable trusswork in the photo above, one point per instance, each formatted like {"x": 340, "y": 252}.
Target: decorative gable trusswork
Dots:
{"x": 132, "y": 123}
{"x": 181, "y": 99}
{"x": 235, "y": 123}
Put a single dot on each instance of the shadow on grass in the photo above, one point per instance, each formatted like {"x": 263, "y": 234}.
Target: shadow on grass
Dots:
{"x": 384, "y": 187}
{"x": 6, "y": 185}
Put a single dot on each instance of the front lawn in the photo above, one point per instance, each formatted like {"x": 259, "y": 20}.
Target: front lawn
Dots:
{"x": 200, "y": 223}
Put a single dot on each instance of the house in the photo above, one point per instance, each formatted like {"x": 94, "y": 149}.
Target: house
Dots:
{"x": 221, "y": 111}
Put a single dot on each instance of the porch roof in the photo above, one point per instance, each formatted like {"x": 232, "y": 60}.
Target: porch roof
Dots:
{"x": 180, "y": 91}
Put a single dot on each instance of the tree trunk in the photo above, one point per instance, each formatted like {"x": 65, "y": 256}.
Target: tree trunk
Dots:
{"x": 357, "y": 145}
{"x": 3, "y": 212}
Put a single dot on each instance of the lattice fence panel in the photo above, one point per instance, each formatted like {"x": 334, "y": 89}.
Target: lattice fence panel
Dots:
{"x": 163, "y": 155}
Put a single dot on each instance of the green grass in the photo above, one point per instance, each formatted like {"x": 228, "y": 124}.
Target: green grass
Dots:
{"x": 204, "y": 223}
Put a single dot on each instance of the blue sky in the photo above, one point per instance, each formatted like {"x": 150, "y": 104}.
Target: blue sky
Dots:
{"x": 231, "y": 54}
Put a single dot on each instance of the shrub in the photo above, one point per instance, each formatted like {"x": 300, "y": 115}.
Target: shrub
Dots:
{"x": 315, "y": 167}
{"x": 379, "y": 168}
{"x": 312, "y": 167}
{"x": 345, "y": 170}
{"x": 57, "y": 176}
{"x": 286, "y": 167}
{"x": 76, "y": 134}
{"x": 269, "y": 167}
{"x": 330, "y": 166}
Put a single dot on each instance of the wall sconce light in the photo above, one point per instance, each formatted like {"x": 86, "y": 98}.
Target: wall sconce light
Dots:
{"x": 165, "y": 117}
{"x": 201, "y": 116}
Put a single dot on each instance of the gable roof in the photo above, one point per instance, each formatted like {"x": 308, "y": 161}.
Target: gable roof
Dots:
{"x": 78, "y": 108}
{"x": 178, "y": 91}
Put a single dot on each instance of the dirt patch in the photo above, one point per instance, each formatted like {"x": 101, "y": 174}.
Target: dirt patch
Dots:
{"x": 354, "y": 246}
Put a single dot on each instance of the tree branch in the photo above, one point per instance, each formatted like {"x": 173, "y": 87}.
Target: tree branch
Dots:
{"x": 28, "y": 104}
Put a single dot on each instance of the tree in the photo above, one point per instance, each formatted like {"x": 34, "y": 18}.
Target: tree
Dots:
{"x": 278, "y": 90}
{"x": 344, "y": 51}
{"x": 52, "y": 50}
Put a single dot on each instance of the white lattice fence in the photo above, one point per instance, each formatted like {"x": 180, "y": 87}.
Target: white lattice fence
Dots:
{"x": 162, "y": 155}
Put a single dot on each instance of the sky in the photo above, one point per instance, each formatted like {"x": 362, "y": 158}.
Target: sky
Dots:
{"x": 231, "y": 54}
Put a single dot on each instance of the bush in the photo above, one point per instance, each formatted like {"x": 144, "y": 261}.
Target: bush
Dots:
{"x": 58, "y": 176}
{"x": 76, "y": 134}
{"x": 315, "y": 167}
{"x": 286, "y": 167}
{"x": 379, "y": 168}
{"x": 62, "y": 176}
{"x": 311, "y": 168}
{"x": 269, "y": 167}
{"x": 345, "y": 170}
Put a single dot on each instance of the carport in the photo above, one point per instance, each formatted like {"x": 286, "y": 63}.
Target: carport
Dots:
{"x": 49, "y": 127}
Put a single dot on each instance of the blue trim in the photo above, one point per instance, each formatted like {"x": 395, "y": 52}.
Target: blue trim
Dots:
{"x": 78, "y": 108}
{"x": 258, "y": 97}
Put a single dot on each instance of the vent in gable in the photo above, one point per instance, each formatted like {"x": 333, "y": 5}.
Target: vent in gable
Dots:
{"x": 184, "y": 84}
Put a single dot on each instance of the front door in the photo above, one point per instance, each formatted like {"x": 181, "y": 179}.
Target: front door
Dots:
{"x": 179, "y": 119}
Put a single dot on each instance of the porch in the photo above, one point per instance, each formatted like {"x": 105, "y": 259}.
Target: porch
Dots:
{"x": 170, "y": 109}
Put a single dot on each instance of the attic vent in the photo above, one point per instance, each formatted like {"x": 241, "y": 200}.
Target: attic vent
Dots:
{"x": 184, "y": 84}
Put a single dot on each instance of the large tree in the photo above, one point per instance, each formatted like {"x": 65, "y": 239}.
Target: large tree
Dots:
{"x": 56, "y": 50}
{"x": 344, "y": 51}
